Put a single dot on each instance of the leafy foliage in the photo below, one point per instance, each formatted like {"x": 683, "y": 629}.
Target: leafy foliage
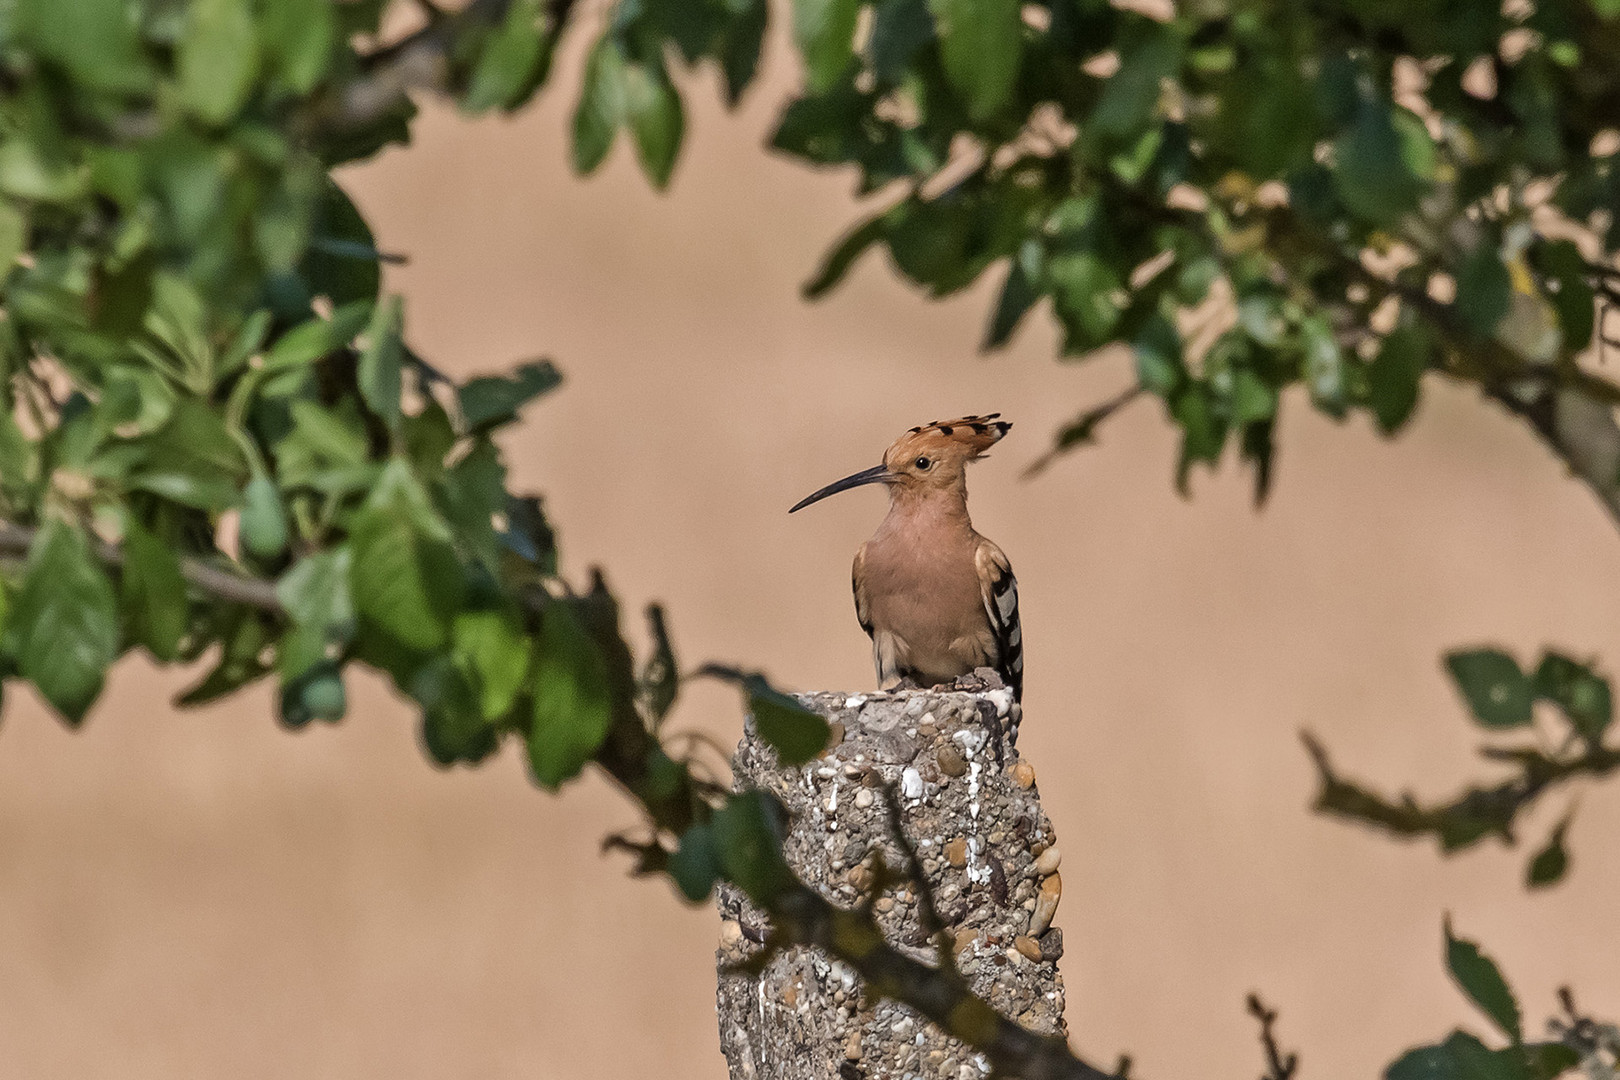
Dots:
{"x": 195, "y": 332}
{"x": 1501, "y": 697}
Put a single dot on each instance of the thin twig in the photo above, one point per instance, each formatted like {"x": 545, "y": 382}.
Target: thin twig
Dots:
{"x": 1278, "y": 1066}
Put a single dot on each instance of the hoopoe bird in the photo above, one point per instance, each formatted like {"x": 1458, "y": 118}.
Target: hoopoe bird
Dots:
{"x": 936, "y": 598}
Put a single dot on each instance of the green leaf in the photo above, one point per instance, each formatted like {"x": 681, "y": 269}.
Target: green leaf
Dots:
{"x": 95, "y": 40}
{"x": 492, "y": 646}
{"x": 602, "y": 107}
{"x": 27, "y": 173}
{"x": 241, "y": 659}
{"x": 695, "y": 866}
{"x": 1579, "y": 692}
{"x": 572, "y": 709}
{"x": 796, "y": 733}
{"x": 218, "y": 58}
{"x": 315, "y": 592}
{"x": 1484, "y": 290}
{"x": 382, "y": 359}
{"x": 1157, "y": 348}
{"x": 314, "y": 338}
{"x": 63, "y": 627}
{"x": 1251, "y": 399}
{"x": 1395, "y": 373}
{"x": 980, "y": 43}
{"x": 154, "y": 593}
{"x": 298, "y": 36}
{"x": 653, "y": 109}
{"x": 264, "y": 520}
{"x": 341, "y": 262}
{"x": 748, "y": 836}
{"x": 1461, "y": 1057}
{"x": 1497, "y": 692}
{"x": 1480, "y": 979}
{"x": 1323, "y": 366}
{"x": 491, "y": 401}
{"x": 825, "y": 32}
{"x": 1371, "y": 169}
{"x": 1131, "y": 94}
{"x": 1550, "y": 863}
{"x": 13, "y": 236}
{"x": 842, "y": 257}
{"x": 660, "y": 680}
{"x": 405, "y": 576}
{"x": 899, "y": 29}
{"x": 452, "y": 727}
{"x": 506, "y": 68}
{"x": 1017, "y": 296}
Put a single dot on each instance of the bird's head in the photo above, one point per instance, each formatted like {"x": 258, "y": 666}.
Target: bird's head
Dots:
{"x": 927, "y": 458}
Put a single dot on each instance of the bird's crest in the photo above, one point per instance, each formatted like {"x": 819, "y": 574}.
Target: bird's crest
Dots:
{"x": 970, "y": 436}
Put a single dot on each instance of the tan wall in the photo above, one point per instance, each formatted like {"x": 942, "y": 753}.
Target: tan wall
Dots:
{"x": 204, "y": 895}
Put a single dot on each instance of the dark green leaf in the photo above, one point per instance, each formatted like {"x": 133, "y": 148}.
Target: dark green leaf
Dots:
{"x": 1395, "y": 373}
{"x": 825, "y": 32}
{"x": 241, "y": 660}
{"x": 980, "y": 44}
{"x": 899, "y": 29}
{"x": 1484, "y": 290}
{"x": 660, "y": 680}
{"x": 218, "y": 58}
{"x": 695, "y": 866}
{"x": 1131, "y": 93}
{"x": 453, "y": 729}
{"x": 601, "y": 108}
{"x": 653, "y": 109}
{"x": 1579, "y": 692}
{"x": 1158, "y": 356}
{"x": 842, "y": 257}
{"x": 382, "y": 359}
{"x": 572, "y": 708}
{"x": 1498, "y": 693}
{"x": 405, "y": 576}
{"x": 341, "y": 262}
{"x": 64, "y": 623}
{"x": 1018, "y": 295}
{"x": 1371, "y": 170}
{"x": 748, "y": 836}
{"x": 505, "y": 73}
{"x": 794, "y": 732}
{"x": 1550, "y": 863}
{"x": 154, "y": 594}
{"x": 491, "y": 401}
{"x": 1479, "y": 978}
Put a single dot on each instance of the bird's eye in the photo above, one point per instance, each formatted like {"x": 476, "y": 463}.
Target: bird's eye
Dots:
{"x": 923, "y": 464}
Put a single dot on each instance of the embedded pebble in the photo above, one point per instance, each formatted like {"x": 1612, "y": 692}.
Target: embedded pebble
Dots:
{"x": 852, "y": 1045}
{"x": 884, "y": 905}
{"x": 854, "y": 702}
{"x": 1023, "y": 775}
{"x": 950, "y": 759}
{"x": 731, "y": 934}
{"x": 1046, "y": 905}
{"x": 863, "y": 798}
{"x": 911, "y": 784}
{"x": 956, "y": 852}
{"x": 1028, "y": 946}
{"x": 835, "y": 734}
{"x": 1052, "y": 945}
{"x": 1048, "y": 861}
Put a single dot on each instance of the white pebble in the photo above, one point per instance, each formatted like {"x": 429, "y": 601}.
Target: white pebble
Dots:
{"x": 911, "y": 784}
{"x": 863, "y": 799}
{"x": 854, "y": 702}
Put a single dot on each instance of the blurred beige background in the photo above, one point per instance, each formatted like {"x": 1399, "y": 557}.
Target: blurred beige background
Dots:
{"x": 205, "y": 895}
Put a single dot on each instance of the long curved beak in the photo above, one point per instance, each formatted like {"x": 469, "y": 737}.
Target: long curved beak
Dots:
{"x": 877, "y": 474}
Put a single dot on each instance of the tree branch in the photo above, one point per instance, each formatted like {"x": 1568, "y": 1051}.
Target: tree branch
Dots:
{"x": 15, "y": 540}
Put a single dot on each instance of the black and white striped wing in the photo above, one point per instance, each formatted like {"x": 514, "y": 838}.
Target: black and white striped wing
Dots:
{"x": 999, "y": 590}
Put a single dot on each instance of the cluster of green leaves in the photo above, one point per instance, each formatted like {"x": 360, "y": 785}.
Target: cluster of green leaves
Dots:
{"x": 216, "y": 444}
{"x": 1501, "y": 698}
{"x": 1462, "y": 1056}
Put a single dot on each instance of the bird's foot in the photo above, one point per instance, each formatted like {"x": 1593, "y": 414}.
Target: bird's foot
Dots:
{"x": 979, "y": 680}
